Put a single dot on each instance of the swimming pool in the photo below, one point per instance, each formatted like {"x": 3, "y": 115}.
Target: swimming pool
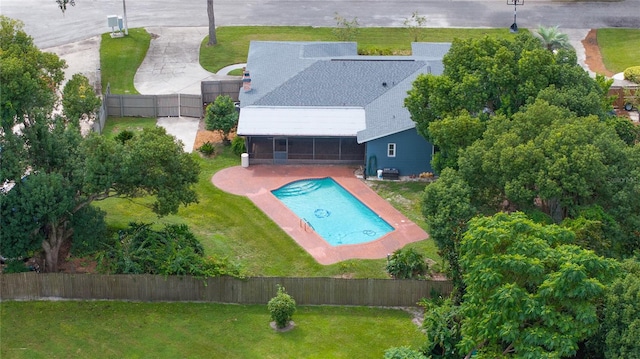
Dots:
{"x": 332, "y": 212}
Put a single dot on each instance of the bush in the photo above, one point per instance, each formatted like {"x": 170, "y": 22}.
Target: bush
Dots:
{"x": 171, "y": 251}
{"x": 402, "y": 353}
{"x": 15, "y": 266}
{"x": 124, "y": 136}
{"x": 406, "y": 264}
{"x": 281, "y": 307}
{"x": 375, "y": 51}
{"x": 632, "y": 74}
{"x": 237, "y": 145}
{"x": 207, "y": 149}
{"x": 222, "y": 116}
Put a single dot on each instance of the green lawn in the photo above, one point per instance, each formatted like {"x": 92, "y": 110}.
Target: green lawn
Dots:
{"x": 233, "y": 41}
{"x": 115, "y": 125}
{"x": 620, "y": 48}
{"x": 233, "y": 227}
{"x": 196, "y": 330}
{"x": 120, "y": 59}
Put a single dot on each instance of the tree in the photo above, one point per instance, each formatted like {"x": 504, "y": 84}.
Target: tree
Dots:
{"x": 486, "y": 77}
{"x": 552, "y": 39}
{"x": 29, "y": 76}
{"x": 622, "y": 315}
{"x": 454, "y": 133}
{"x": 415, "y": 24}
{"x": 530, "y": 293}
{"x": 68, "y": 172}
{"x": 548, "y": 159}
{"x": 221, "y": 116}
{"x": 345, "y": 30}
{"x": 212, "y": 24}
{"x": 79, "y": 99}
{"x": 447, "y": 208}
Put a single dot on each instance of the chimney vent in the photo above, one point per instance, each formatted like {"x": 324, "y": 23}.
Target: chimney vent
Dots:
{"x": 246, "y": 81}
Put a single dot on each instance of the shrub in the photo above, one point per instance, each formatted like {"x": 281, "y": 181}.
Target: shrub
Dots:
{"x": 442, "y": 327}
{"x": 207, "y": 149}
{"x": 375, "y": 51}
{"x": 237, "y": 145}
{"x": 402, "y": 353}
{"x": 15, "y": 266}
{"x": 221, "y": 116}
{"x": 406, "y": 264}
{"x": 281, "y": 307}
{"x": 124, "y": 136}
{"x": 171, "y": 251}
{"x": 632, "y": 74}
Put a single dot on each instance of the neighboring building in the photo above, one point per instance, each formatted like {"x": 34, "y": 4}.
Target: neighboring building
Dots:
{"x": 322, "y": 103}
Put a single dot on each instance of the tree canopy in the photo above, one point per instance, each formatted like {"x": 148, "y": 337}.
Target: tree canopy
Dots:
{"x": 221, "y": 115}
{"x": 79, "y": 99}
{"x": 68, "y": 172}
{"x": 489, "y": 76}
{"x": 530, "y": 292}
{"x": 447, "y": 208}
{"x": 29, "y": 76}
{"x": 53, "y": 173}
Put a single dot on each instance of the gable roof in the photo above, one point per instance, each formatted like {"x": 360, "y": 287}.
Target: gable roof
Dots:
{"x": 316, "y": 75}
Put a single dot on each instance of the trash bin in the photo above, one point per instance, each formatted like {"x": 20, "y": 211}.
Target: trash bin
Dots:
{"x": 379, "y": 174}
{"x": 244, "y": 160}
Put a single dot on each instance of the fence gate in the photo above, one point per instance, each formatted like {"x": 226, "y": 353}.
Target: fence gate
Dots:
{"x": 191, "y": 106}
{"x": 168, "y": 105}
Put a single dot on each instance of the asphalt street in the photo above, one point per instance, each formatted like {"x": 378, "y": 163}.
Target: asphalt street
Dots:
{"x": 49, "y": 27}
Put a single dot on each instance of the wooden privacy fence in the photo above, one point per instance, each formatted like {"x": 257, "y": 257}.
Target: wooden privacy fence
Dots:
{"x": 255, "y": 290}
{"x": 172, "y": 105}
{"x": 212, "y": 89}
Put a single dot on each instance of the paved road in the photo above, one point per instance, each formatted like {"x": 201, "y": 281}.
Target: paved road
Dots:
{"x": 44, "y": 21}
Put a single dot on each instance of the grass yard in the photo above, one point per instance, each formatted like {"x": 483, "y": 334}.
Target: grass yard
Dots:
{"x": 233, "y": 41}
{"x": 232, "y": 226}
{"x": 620, "y": 48}
{"x": 115, "y": 125}
{"x": 196, "y": 330}
{"x": 120, "y": 59}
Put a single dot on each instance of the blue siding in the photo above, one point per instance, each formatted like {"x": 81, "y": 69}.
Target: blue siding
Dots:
{"x": 413, "y": 153}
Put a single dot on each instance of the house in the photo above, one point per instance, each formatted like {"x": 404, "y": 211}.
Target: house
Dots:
{"x": 322, "y": 103}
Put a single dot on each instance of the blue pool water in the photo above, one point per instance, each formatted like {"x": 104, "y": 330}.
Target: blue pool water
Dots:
{"x": 336, "y": 215}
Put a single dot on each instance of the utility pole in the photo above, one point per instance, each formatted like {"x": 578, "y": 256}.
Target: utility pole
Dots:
{"x": 124, "y": 9}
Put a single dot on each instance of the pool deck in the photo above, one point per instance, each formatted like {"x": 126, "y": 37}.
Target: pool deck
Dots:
{"x": 257, "y": 181}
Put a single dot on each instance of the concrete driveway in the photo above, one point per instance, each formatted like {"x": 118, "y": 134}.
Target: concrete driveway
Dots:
{"x": 172, "y": 63}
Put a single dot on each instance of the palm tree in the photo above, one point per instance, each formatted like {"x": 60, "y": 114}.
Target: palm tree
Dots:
{"x": 552, "y": 39}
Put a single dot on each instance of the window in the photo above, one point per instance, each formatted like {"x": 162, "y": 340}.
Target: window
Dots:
{"x": 391, "y": 150}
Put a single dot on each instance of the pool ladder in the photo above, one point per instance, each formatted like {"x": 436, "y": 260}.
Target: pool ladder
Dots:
{"x": 304, "y": 224}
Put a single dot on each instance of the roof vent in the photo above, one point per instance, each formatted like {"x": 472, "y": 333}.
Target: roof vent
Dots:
{"x": 384, "y": 84}
{"x": 246, "y": 81}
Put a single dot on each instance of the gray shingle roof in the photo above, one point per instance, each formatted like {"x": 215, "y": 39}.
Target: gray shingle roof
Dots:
{"x": 317, "y": 74}
{"x": 340, "y": 83}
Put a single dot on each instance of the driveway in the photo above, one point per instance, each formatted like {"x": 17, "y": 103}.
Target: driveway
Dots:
{"x": 172, "y": 63}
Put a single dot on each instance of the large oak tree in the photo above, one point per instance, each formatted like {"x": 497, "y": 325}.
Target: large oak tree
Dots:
{"x": 52, "y": 173}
